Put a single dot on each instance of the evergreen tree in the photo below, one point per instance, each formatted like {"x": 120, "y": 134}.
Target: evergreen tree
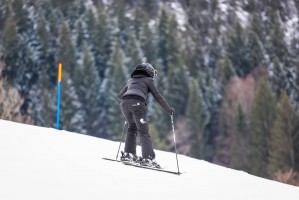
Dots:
{"x": 294, "y": 66}
{"x": 262, "y": 119}
{"x": 4, "y": 11}
{"x": 148, "y": 42}
{"x": 195, "y": 113}
{"x": 101, "y": 40}
{"x": 194, "y": 9}
{"x": 123, "y": 23}
{"x": 89, "y": 93}
{"x": 214, "y": 6}
{"x": 240, "y": 141}
{"x": 133, "y": 52}
{"x": 21, "y": 15}
{"x": 236, "y": 51}
{"x": 137, "y": 22}
{"x": 11, "y": 43}
{"x": 162, "y": 48}
{"x": 28, "y": 54}
{"x": 276, "y": 45}
{"x": 30, "y": 48}
{"x": 187, "y": 51}
{"x": 282, "y": 155}
{"x": 43, "y": 96}
{"x": 74, "y": 10}
{"x": 91, "y": 22}
{"x": 212, "y": 101}
{"x": 43, "y": 105}
{"x": 197, "y": 56}
{"x": 47, "y": 34}
{"x": 279, "y": 76}
{"x": 214, "y": 55}
{"x": 72, "y": 114}
{"x": 54, "y": 23}
{"x": 27, "y": 75}
{"x": 222, "y": 141}
{"x": 253, "y": 51}
{"x": 297, "y": 4}
{"x": 66, "y": 51}
{"x": 177, "y": 93}
{"x": 115, "y": 80}
{"x": 151, "y": 7}
{"x": 80, "y": 39}
{"x": 296, "y": 145}
{"x": 43, "y": 34}
{"x": 257, "y": 27}
{"x": 225, "y": 71}
{"x": 63, "y": 5}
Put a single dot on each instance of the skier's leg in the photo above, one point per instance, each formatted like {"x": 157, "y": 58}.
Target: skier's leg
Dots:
{"x": 130, "y": 144}
{"x": 139, "y": 114}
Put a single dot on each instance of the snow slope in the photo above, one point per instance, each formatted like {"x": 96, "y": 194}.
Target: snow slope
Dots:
{"x": 42, "y": 163}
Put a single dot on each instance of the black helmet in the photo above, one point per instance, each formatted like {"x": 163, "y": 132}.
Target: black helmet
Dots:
{"x": 146, "y": 69}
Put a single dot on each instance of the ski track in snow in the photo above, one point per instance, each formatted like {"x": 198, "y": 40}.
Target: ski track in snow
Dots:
{"x": 44, "y": 163}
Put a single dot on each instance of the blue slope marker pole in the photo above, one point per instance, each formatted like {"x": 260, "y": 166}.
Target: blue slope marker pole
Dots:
{"x": 58, "y": 95}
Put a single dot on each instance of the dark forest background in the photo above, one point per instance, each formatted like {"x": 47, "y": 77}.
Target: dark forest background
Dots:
{"x": 229, "y": 68}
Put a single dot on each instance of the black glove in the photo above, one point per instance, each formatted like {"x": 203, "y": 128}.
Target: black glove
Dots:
{"x": 171, "y": 111}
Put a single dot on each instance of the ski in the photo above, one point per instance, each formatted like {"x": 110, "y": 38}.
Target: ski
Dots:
{"x": 144, "y": 167}
{"x": 110, "y": 159}
{"x": 151, "y": 168}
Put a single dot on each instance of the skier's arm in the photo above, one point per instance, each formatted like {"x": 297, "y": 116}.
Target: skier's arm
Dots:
{"x": 157, "y": 95}
{"x": 122, "y": 92}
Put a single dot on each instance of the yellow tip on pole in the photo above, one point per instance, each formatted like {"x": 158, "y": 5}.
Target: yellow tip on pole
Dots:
{"x": 59, "y": 72}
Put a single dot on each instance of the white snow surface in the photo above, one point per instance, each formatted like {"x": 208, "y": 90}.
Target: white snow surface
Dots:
{"x": 43, "y": 163}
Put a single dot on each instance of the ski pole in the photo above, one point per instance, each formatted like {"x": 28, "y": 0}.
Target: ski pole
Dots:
{"x": 177, "y": 161}
{"x": 122, "y": 136}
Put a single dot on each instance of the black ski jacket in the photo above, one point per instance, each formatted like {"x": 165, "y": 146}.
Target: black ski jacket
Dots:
{"x": 140, "y": 86}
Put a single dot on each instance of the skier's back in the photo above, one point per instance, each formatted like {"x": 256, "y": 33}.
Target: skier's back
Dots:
{"x": 133, "y": 105}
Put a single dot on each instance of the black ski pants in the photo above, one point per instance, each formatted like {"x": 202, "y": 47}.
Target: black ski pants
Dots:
{"x": 135, "y": 113}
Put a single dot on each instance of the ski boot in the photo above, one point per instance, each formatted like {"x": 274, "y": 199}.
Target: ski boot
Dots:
{"x": 129, "y": 157}
{"x": 150, "y": 162}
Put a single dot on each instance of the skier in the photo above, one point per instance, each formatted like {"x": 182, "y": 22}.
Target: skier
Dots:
{"x": 133, "y": 106}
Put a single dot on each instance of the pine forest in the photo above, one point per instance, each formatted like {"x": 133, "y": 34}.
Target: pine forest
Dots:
{"x": 229, "y": 68}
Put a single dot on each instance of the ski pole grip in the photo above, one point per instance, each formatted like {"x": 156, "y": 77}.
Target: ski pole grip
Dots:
{"x": 172, "y": 111}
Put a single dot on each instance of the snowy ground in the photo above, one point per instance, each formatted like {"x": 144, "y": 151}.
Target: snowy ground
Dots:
{"x": 43, "y": 163}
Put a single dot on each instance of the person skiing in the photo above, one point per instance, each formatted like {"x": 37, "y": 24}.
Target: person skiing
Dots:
{"x": 133, "y": 106}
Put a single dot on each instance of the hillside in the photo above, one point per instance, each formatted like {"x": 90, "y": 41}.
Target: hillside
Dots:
{"x": 223, "y": 65}
{"x": 43, "y": 163}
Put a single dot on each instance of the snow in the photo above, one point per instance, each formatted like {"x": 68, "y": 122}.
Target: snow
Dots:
{"x": 44, "y": 163}
{"x": 180, "y": 14}
{"x": 243, "y": 17}
{"x": 291, "y": 27}
{"x": 223, "y": 4}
